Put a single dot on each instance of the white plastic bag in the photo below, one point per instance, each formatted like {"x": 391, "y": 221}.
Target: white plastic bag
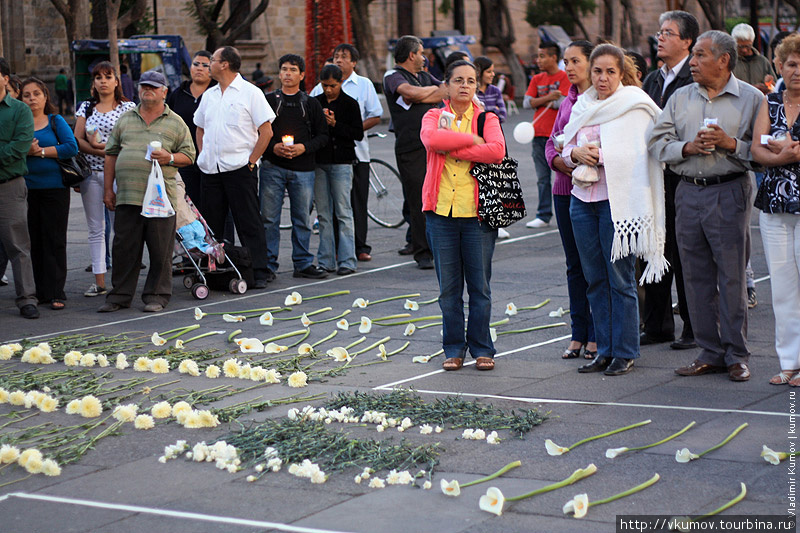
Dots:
{"x": 156, "y": 204}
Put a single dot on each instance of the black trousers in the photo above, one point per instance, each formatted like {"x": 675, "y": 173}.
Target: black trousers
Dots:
{"x": 359, "y": 197}
{"x": 48, "y": 217}
{"x": 658, "y": 317}
{"x": 412, "y": 167}
{"x": 192, "y": 177}
{"x": 131, "y": 232}
{"x": 237, "y": 189}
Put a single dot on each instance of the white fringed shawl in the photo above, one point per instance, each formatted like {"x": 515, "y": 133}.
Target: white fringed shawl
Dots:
{"x": 635, "y": 179}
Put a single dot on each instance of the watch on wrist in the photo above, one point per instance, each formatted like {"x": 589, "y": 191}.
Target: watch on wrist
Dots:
{"x": 172, "y": 159}
{"x": 250, "y": 165}
{"x": 42, "y": 153}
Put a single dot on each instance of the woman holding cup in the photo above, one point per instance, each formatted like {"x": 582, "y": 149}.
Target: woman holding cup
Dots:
{"x": 95, "y": 119}
{"x": 576, "y": 61}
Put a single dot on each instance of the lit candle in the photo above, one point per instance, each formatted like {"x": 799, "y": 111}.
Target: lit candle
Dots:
{"x": 288, "y": 140}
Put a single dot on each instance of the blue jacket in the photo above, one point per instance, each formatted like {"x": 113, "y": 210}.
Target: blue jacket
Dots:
{"x": 44, "y": 173}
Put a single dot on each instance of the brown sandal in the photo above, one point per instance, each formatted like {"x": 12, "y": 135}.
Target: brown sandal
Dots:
{"x": 453, "y": 363}
{"x": 484, "y": 363}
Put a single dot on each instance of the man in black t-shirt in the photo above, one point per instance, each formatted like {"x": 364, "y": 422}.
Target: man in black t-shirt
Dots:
{"x": 410, "y": 93}
{"x": 288, "y": 165}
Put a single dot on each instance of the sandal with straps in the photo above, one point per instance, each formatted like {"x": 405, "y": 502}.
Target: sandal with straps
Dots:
{"x": 784, "y": 377}
{"x": 453, "y": 363}
{"x": 571, "y": 354}
{"x": 484, "y": 363}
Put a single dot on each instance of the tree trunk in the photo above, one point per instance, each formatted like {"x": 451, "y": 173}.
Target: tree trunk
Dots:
{"x": 70, "y": 11}
{"x": 714, "y": 10}
{"x": 635, "y": 27}
{"x": 137, "y": 11}
{"x": 571, "y": 9}
{"x": 497, "y": 31}
{"x": 234, "y": 33}
{"x": 112, "y": 16}
{"x": 362, "y": 31}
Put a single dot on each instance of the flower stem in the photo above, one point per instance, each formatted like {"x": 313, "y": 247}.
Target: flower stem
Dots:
{"x": 403, "y": 347}
{"x": 207, "y": 334}
{"x": 329, "y": 337}
{"x": 724, "y": 442}
{"x": 499, "y": 473}
{"x": 311, "y": 313}
{"x": 432, "y": 324}
{"x": 419, "y": 319}
{"x": 576, "y": 476}
{"x": 233, "y": 334}
{"x": 330, "y": 294}
{"x": 731, "y": 503}
{"x": 609, "y": 433}
{"x": 286, "y": 335}
{"x": 181, "y": 332}
{"x": 498, "y": 323}
{"x": 628, "y": 492}
{"x": 389, "y": 299}
{"x": 534, "y": 307}
{"x": 535, "y": 328}
{"x": 662, "y": 441}
{"x": 262, "y": 310}
{"x": 301, "y": 339}
{"x": 355, "y": 343}
{"x": 371, "y": 346}
{"x": 426, "y": 302}
{"x": 331, "y": 319}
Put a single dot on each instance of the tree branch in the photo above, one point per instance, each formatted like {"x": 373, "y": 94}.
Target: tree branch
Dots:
{"x": 135, "y": 13}
{"x": 241, "y": 28}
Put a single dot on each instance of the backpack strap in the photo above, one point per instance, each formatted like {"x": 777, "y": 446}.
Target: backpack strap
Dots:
{"x": 482, "y": 123}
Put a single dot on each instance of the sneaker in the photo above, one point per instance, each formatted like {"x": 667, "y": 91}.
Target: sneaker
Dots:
{"x": 315, "y": 227}
{"x": 537, "y": 223}
{"x": 153, "y": 308}
{"x": 4, "y": 280}
{"x": 94, "y": 290}
{"x": 311, "y": 271}
{"x": 109, "y": 307}
{"x": 752, "y": 301}
{"x": 502, "y": 234}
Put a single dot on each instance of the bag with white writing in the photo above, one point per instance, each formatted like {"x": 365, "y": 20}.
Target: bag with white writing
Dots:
{"x": 500, "y": 201}
{"x": 156, "y": 204}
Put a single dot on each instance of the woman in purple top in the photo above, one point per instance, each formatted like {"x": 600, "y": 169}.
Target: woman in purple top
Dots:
{"x": 576, "y": 60}
{"x": 487, "y": 93}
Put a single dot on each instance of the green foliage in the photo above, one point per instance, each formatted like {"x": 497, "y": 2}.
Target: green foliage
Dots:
{"x": 733, "y": 21}
{"x": 445, "y": 7}
{"x": 191, "y": 10}
{"x": 556, "y": 12}
{"x": 146, "y": 24}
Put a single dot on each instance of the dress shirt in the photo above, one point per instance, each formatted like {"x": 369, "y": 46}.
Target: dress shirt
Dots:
{"x": 230, "y": 122}
{"x": 457, "y": 186}
{"x": 362, "y": 90}
{"x": 735, "y": 108}
{"x": 670, "y": 74}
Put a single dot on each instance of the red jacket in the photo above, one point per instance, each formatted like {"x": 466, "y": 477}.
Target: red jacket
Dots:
{"x": 460, "y": 145}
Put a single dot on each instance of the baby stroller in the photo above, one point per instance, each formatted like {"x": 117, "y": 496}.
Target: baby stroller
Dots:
{"x": 198, "y": 256}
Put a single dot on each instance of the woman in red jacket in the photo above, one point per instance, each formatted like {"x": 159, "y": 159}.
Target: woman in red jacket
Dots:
{"x": 461, "y": 243}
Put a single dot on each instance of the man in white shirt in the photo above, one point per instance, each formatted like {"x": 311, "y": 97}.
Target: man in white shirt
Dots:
{"x": 234, "y": 127}
{"x": 362, "y": 90}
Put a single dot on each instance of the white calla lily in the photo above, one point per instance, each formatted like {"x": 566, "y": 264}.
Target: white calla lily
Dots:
{"x": 274, "y": 348}
{"x": 492, "y": 501}
{"x": 233, "y": 318}
{"x": 771, "y": 456}
{"x": 450, "y": 488}
{"x": 511, "y": 309}
{"x": 421, "y": 359}
{"x": 199, "y": 314}
{"x": 157, "y": 340}
{"x": 343, "y": 324}
{"x": 266, "y": 319}
{"x": 365, "y": 326}
{"x": 305, "y": 348}
{"x": 613, "y": 452}
{"x": 493, "y": 334}
{"x": 411, "y": 305}
{"x": 578, "y": 506}
{"x": 554, "y": 449}
{"x": 361, "y": 303}
{"x": 251, "y": 345}
{"x": 305, "y": 320}
{"x": 293, "y": 299}
{"x": 684, "y": 456}
{"x": 339, "y": 354}
{"x": 558, "y": 313}
{"x": 410, "y": 329}
{"x": 178, "y": 344}
{"x": 382, "y": 352}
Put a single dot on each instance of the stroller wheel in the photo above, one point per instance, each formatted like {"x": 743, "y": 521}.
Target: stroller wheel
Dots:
{"x": 238, "y": 286}
{"x": 188, "y": 281}
{"x": 200, "y": 291}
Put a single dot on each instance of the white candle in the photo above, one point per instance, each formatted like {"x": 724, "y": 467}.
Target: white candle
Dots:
{"x": 288, "y": 140}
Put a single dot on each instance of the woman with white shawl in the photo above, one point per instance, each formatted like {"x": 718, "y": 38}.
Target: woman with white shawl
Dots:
{"x": 617, "y": 210}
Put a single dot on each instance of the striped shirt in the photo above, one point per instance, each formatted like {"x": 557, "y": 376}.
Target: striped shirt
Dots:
{"x": 129, "y": 140}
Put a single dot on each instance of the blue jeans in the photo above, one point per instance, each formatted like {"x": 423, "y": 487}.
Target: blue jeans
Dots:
{"x": 462, "y": 250}
{"x": 332, "y": 197}
{"x": 544, "y": 210}
{"x": 273, "y": 181}
{"x": 612, "y": 286}
{"x": 579, "y": 311}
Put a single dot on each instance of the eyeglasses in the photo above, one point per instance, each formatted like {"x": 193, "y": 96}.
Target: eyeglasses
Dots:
{"x": 666, "y": 34}
{"x": 461, "y": 81}
{"x": 199, "y": 64}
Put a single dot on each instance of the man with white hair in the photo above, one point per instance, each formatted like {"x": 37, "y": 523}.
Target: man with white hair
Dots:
{"x": 751, "y": 67}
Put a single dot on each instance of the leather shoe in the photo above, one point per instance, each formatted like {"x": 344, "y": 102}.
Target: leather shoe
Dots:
{"x": 645, "y": 339}
{"x": 344, "y": 271}
{"x": 739, "y": 372}
{"x": 619, "y": 366}
{"x": 311, "y": 271}
{"x": 29, "y": 311}
{"x": 698, "y": 368}
{"x": 598, "y": 365}
{"x": 406, "y": 250}
{"x": 683, "y": 343}
{"x": 425, "y": 263}
{"x": 364, "y": 256}
{"x": 109, "y": 307}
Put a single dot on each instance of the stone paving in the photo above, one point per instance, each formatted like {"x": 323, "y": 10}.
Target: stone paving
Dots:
{"x": 122, "y": 486}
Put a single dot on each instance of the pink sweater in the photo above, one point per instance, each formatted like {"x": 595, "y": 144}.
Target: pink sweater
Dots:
{"x": 459, "y": 145}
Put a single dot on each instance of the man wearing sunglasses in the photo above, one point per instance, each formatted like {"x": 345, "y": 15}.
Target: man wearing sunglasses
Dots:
{"x": 185, "y": 102}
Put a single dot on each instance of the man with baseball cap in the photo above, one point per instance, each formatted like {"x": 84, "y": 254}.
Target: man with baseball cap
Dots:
{"x": 149, "y": 127}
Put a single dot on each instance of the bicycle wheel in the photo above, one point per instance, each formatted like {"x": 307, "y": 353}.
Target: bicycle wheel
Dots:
{"x": 385, "y": 205}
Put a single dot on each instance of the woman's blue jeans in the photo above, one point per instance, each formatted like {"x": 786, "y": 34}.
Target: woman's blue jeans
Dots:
{"x": 579, "y": 310}
{"x": 462, "y": 251}
{"x": 612, "y": 286}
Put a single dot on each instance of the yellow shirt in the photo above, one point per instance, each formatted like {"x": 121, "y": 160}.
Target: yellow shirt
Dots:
{"x": 457, "y": 187}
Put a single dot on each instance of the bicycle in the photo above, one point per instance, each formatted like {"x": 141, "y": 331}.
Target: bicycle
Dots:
{"x": 385, "y": 204}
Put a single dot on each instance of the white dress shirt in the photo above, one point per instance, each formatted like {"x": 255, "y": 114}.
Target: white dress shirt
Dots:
{"x": 670, "y": 74}
{"x": 362, "y": 91}
{"x": 230, "y": 122}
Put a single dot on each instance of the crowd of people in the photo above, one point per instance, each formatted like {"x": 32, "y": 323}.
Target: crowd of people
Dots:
{"x": 649, "y": 176}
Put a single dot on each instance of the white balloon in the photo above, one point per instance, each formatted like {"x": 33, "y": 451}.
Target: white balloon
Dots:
{"x": 523, "y": 132}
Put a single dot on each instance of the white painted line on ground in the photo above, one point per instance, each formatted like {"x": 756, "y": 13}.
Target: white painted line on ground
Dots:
{"x": 526, "y": 237}
{"x": 525, "y": 399}
{"x": 509, "y": 352}
{"x": 227, "y": 520}
{"x": 759, "y": 280}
